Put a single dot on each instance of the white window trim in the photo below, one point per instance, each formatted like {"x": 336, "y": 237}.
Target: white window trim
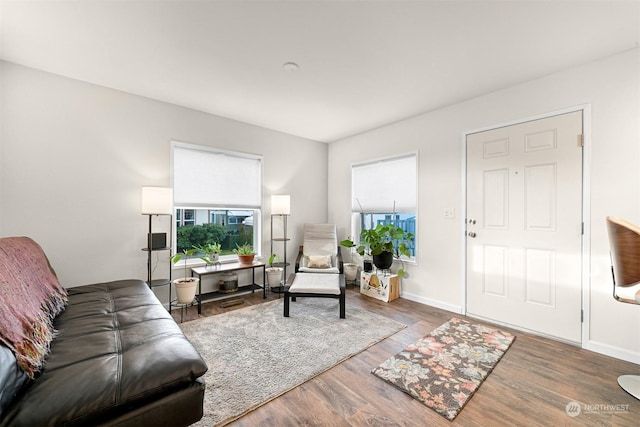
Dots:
{"x": 257, "y": 230}
{"x": 355, "y": 218}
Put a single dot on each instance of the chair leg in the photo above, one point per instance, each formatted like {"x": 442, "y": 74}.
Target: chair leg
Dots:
{"x": 286, "y": 304}
{"x": 342, "y": 305}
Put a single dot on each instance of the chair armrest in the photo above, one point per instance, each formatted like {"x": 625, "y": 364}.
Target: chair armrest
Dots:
{"x": 290, "y": 279}
{"x": 298, "y": 259}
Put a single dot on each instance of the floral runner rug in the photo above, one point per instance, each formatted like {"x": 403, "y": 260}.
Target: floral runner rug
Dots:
{"x": 445, "y": 368}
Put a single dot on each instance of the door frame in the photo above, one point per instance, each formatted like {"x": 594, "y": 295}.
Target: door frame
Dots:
{"x": 586, "y": 207}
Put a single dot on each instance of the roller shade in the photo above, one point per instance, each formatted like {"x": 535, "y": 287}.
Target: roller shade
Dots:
{"x": 209, "y": 177}
{"x": 376, "y": 185}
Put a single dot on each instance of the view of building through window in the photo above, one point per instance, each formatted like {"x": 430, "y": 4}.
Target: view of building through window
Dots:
{"x": 197, "y": 227}
{"x": 406, "y": 221}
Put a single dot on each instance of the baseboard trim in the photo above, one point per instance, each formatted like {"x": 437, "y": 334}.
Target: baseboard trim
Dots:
{"x": 433, "y": 303}
{"x": 609, "y": 350}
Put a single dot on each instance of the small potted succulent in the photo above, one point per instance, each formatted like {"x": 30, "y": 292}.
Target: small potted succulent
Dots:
{"x": 245, "y": 253}
{"x": 274, "y": 274}
{"x": 211, "y": 251}
{"x": 185, "y": 286}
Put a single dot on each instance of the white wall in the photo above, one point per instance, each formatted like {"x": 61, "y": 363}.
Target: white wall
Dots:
{"x": 612, "y": 88}
{"x": 73, "y": 157}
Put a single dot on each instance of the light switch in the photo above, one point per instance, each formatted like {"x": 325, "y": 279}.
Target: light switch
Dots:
{"x": 450, "y": 213}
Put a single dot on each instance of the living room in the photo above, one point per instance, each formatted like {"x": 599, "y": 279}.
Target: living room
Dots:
{"x": 75, "y": 153}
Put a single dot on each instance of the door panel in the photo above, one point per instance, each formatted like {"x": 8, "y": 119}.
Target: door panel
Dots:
{"x": 496, "y": 199}
{"x": 524, "y": 216}
{"x": 539, "y": 277}
{"x": 540, "y": 197}
{"x": 495, "y": 270}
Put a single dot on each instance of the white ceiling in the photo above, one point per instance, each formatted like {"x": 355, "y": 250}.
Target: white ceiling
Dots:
{"x": 363, "y": 64}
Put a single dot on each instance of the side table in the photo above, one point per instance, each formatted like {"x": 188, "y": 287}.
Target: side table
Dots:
{"x": 379, "y": 286}
{"x": 225, "y": 268}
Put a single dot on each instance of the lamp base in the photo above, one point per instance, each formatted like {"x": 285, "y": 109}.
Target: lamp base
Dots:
{"x": 630, "y": 384}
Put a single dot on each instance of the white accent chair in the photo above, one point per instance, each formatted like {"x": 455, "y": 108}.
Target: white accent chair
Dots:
{"x": 318, "y": 269}
{"x": 320, "y": 252}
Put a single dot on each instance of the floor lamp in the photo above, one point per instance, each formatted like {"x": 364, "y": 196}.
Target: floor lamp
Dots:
{"x": 157, "y": 201}
{"x": 281, "y": 206}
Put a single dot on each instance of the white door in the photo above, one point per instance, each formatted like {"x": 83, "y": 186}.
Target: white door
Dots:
{"x": 524, "y": 225}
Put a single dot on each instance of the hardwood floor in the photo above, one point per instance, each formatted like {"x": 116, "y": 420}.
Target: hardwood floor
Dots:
{"x": 531, "y": 386}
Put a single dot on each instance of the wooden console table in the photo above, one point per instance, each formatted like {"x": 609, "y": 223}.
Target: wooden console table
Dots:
{"x": 225, "y": 268}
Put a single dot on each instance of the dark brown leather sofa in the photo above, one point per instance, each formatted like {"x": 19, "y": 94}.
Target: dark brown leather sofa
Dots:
{"x": 118, "y": 359}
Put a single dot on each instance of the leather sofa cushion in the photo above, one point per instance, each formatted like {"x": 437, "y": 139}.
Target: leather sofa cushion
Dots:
{"x": 116, "y": 345}
{"x": 12, "y": 378}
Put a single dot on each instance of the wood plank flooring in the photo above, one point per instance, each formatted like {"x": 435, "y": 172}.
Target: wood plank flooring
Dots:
{"x": 531, "y": 386}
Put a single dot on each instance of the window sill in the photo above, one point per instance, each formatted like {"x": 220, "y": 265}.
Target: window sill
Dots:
{"x": 197, "y": 262}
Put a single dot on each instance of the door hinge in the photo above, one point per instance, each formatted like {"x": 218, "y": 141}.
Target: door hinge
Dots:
{"x": 582, "y": 229}
{"x": 581, "y": 316}
{"x": 581, "y": 140}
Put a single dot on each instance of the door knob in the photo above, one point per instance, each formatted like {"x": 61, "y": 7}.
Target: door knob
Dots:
{"x": 472, "y": 234}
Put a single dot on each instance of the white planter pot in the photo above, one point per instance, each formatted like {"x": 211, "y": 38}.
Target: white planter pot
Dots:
{"x": 350, "y": 271}
{"x": 274, "y": 275}
{"x": 186, "y": 289}
{"x": 213, "y": 258}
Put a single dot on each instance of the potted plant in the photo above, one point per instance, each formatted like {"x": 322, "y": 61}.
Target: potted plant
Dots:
{"x": 380, "y": 242}
{"x": 186, "y": 286}
{"x": 350, "y": 268}
{"x": 211, "y": 251}
{"x": 245, "y": 253}
{"x": 274, "y": 274}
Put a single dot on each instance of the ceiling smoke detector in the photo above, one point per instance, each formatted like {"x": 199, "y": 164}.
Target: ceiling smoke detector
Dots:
{"x": 290, "y": 66}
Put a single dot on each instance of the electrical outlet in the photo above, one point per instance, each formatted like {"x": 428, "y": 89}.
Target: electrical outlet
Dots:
{"x": 450, "y": 213}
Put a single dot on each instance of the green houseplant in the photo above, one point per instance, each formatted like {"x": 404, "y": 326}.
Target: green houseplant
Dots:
{"x": 185, "y": 286}
{"x": 211, "y": 251}
{"x": 245, "y": 253}
{"x": 384, "y": 243}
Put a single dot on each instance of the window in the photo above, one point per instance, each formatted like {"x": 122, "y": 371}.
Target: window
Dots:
{"x": 385, "y": 192}
{"x": 185, "y": 217}
{"x": 404, "y": 220}
{"x": 217, "y": 196}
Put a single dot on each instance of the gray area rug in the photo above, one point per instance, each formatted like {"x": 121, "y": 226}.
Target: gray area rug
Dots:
{"x": 255, "y": 354}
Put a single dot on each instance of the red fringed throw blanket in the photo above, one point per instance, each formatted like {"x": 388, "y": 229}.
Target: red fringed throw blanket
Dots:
{"x": 30, "y": 298}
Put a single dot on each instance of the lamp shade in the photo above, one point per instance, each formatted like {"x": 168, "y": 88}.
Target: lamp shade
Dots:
{"x": 280, "y": 204}
{"x": 157, "y": 201}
